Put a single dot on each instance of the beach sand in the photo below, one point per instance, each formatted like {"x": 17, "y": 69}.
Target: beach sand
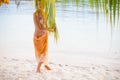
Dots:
{"x": 64, "y": 67}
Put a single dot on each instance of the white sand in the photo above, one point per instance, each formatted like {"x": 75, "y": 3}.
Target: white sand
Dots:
{"x": 64, "y": 67}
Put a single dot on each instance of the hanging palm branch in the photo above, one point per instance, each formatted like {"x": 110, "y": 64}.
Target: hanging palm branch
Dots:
{"x": 50, "y": 13}
{"x": 111, "y": 8}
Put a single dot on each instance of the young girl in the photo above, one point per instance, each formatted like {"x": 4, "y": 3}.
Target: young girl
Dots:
{"x": 40, "y": 37}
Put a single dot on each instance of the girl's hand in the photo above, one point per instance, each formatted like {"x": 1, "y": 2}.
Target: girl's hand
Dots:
{"x": 43, "y": 32}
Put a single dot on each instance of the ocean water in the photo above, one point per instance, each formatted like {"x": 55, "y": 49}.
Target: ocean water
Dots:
{"x": 80, "y": 31}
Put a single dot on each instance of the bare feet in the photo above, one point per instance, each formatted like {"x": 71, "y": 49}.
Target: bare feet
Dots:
{"x": 38, "y": 71}
{"x": 38, "y": 67}
{"x": 47, "y": 67}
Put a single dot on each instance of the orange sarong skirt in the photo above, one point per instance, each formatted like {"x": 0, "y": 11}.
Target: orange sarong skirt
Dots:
{"x": 41, "y": 48}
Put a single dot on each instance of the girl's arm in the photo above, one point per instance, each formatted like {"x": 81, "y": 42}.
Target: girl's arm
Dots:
{"x": 35, "y": 20}
{"x": 37, "y": 25}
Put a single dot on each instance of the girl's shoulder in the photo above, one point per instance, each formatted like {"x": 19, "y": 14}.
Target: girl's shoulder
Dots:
{"x": 35, "y": 13}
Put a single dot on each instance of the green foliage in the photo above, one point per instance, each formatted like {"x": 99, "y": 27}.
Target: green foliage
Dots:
{"x": 111, "y": 8}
